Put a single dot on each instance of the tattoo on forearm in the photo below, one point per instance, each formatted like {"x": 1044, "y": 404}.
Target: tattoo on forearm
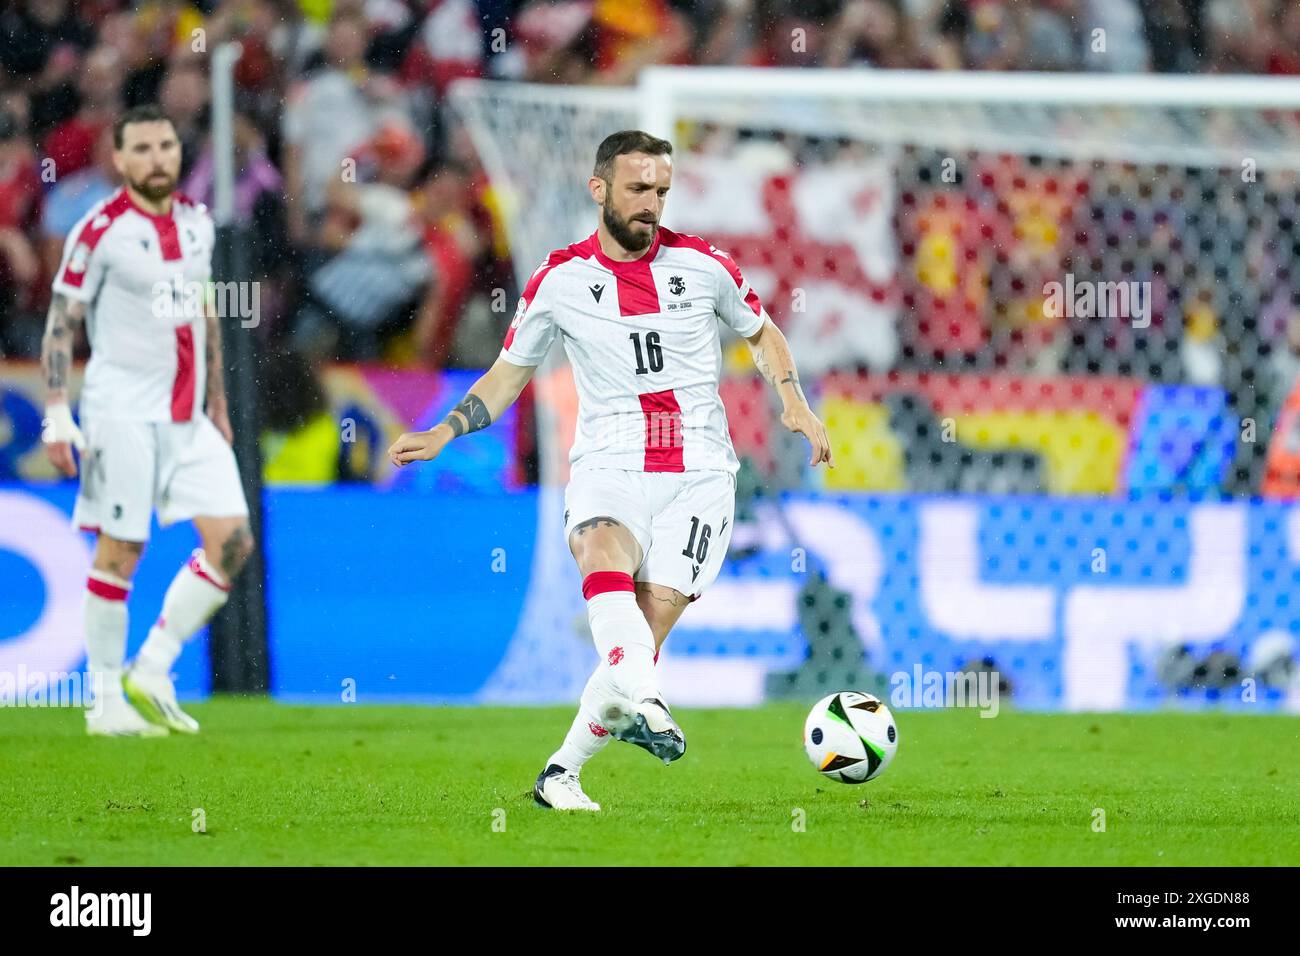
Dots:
{"x": 56, "y": 375}
{"x": 212, "y": 350}
{"x": 765, "y": 369}
{"x": 793, "y": 379}
{"x": 470, "y": 415}
{"x": 56, "y": 349}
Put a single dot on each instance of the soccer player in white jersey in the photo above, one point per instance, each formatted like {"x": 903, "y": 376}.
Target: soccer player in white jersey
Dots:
{"x": 154, "y": 433}
{"x": 651, "y": 495}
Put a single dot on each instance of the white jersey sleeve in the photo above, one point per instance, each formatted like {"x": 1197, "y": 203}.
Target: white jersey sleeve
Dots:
{"x": 81, "y": 270}
{"x": 737, "y": 304}
{"x": 533, "y": 329}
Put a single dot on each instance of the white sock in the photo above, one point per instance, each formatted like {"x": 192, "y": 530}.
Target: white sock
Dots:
{"x": 587, "y": 737}
{"x": 105, "y": 617}
{"x": 196, "y": 593}
{"x": 622, "y": 634}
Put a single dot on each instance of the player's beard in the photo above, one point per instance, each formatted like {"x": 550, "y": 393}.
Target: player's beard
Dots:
{"x": 153, "y": 187}
{"x": 621, "y": 230}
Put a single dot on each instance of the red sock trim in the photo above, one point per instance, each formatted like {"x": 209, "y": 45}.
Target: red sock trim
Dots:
{"x": 106, "y": 590}
{"x": 602, "y": 582}
{"x": 197, "y": 568}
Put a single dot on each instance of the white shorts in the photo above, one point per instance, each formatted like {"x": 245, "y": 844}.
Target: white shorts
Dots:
{"x": 183, "y": 469}
{"x": 682, "y": 520}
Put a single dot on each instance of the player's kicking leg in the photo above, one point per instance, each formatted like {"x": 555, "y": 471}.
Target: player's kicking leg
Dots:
{"x": 662, "y": 606}
{"x": 688, "y": 540}
{"x": 107, "y": 589}
{"x": 649, "y": 724}
{"x": 197, "y": 592}
{"x": 623, "y": 689}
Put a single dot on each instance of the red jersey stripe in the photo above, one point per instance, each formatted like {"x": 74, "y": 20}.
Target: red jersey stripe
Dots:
{"x": 663, "y": 431}
{"x": 185, "y": 381}
{"x": 635, "y": 282}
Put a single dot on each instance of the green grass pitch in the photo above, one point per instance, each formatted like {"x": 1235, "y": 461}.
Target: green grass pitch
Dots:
{"x": 362, "y": 785}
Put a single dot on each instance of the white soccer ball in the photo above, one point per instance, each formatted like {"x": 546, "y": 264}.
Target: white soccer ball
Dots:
{"x": 850, "y": 737}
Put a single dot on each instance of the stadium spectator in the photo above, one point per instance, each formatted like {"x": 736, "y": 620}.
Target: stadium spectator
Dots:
{"x": 446, "y": 45}
{"x": 1239, "y": 36}
{"x": 875, "y": 33}
{"x": 259, "y": 209}
{"x": 183, "y": 96}
{"x": 1173, "y": 31}
{"x": 256, "y": 178}
{"x": 20, "y": 267}
{"x": 330, "y": 114}
{"x": 371, "y": 284}
{"x": 71, "y": 143}
{"x": 72, "y": 196}
{"x": 1285, "y": 56}
{"x": 1123, "y": 44}
{"x": 556, "y": 43}
{"x": 985, "y": 34}
{"x": 453, "y": 241}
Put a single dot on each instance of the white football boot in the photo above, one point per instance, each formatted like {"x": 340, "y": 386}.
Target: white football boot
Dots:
{"x": 112, "y": 716}
{"x": 559, "y": 789}
{"x": 647, "y": 724}
{"x": 155, "y": 698}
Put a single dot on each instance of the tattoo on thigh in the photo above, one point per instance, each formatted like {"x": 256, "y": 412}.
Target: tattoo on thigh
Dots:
{"x": 602, "y": 521}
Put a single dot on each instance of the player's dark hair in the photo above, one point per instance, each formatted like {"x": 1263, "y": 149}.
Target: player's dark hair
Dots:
{"x": 145, "y": 113}
{"x": 623, "y": 142}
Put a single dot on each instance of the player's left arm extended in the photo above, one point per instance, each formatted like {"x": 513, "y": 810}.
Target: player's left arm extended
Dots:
{"x": 774, "y": 360}
{"x": 215, "y": 406}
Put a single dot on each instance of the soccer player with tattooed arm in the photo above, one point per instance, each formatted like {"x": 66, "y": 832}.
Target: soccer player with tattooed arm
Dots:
{"x": 651, "y": 496}
{"x": 154, "y": 430}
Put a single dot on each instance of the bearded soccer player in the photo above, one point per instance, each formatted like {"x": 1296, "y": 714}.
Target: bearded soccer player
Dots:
{"x": 651, "y": 497}
{"x": 154, "y": 430}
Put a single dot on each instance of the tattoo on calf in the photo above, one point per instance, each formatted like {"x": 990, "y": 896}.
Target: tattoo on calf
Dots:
{"x": 233, "y": 552}
{"x": 474, "y": 411}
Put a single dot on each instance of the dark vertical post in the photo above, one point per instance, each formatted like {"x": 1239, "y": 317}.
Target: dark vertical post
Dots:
{"x": 238, "y": 646}
{"x": 238, "y": 637}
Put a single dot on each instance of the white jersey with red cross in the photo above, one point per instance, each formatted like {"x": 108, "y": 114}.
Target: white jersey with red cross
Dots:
{"x": 144, "y": 279}
{"x": 644, "y": 343}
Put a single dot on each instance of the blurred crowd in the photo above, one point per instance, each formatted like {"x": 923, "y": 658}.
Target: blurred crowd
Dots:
{"x": 374, "y": 234}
